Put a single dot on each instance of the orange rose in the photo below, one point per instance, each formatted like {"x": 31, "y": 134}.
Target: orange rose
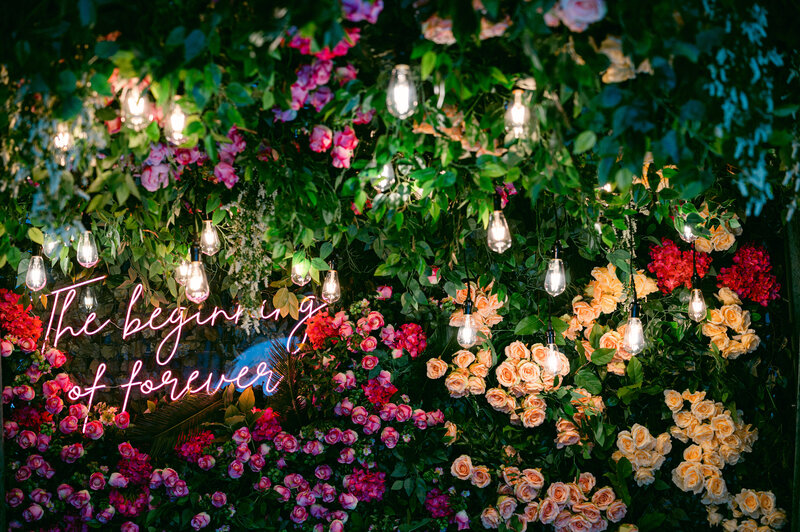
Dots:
{"x": 693, "y": 397}
{"x": 507, "y": 375}
{"x": 732, "y": 316}
{"x": 693, "y": 453}
{"x": 457, "y": 318}
{"x": 713, "y": 459}
{"x": 663, "y": 444}
{"x": 674, "y": 400}
{"x": 461, "y": 295}
{"x": 748, "y": 502}
{"x": 484, "y": 357}
{"x": 532, "y": 417}
{"x": 479, "y": 370}
{"x": 644, "y": 284}
{"x": 480, "y": 476}
{"x": 715, "y": 317}
{"x": 463, "y": 358}
{"x": 452, "y": 432}
{"x": 586, "y": 482}
{"x": 534, "y": 477}
{"x": 721, "y": 238}
{"x": 610, "y": 340}
{"x": 749, "y": 341}
{"x": 703, "y": 433}
{"x": 721, "y": 342}
{"x": 517, "y": 351}
{"x": 531, "y": 511}
{"x": 476, "y": 386}
{"x": 703, "y": 245}
{"x": 585, "y": 313}
{"x": 529, "y": 371}
{"x": 534, "y": 401}
{"x": 492, "y": 319}
{"x": 716, "y": 490}
{"x": 722, "y": 425}
{"x": 625, "y": 442}
{"x": 436, "y": 368}
{"x": 567, "y": 438}
{"x": 704, "y": 409}
{"x": 481, "y": 304}
{"x": 767, "y": 501}
{"x": 711, "y": 330}
{"x": 496, "y": 398}
{"x": 456, "y": 383}
{"x": 462, "y": 467}
{"x": 729, "y": 454}
{"x": 603, "y": 498}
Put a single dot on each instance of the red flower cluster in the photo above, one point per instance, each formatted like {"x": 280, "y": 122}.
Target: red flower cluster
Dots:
{"x": 29, "y": 417}
{"x": 379, "y": 391}
{"x": 412, "y": 338}
{"x": 319, "y": 328}
{"x": 129, "y": 507}
{"x": 749, "y": 276}
{"x": 366, "y": 485}
{"x": 673, "y": 267}
{"x": 193, "y": 449}
{"x": 136, "y": 468}
{"x": 267, "y": 426}
{"x": 16, "y": 319}
{"x": 438, "y": 504}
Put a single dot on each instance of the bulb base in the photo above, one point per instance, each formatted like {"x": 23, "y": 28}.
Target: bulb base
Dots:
{"x": 195, "y": 253}
{"x": 635, "y": 309}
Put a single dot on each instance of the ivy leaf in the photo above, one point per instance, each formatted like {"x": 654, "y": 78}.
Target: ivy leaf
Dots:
{"x": 601, "y": 357}
{"x": 587, "y": 379}
{"x": 584, "y": 142}
{"x": 635, "y": 371}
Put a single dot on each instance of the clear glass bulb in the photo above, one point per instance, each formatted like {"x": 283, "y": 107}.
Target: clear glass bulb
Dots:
{"x": 88, "y": 300}
{"x": 498, "y": 237}
{"x": 197, "y": 289}
{"x": 182, "y": 272}
{"x": 50, "y": 245}
{"x": 298, "y": 277}
{"x": 63, "y": 137}
{"x": 687, "y": 235}
{"x": 331, "y": 291}
{"x": 555, "y": 280}
{"x": 552, "y": 360}
{"x": 633, "y": 342}
{"x": 467, "y": 334}
{"x": 209, "y": 239}
{"x": 36, "y": 278}
{"x": 697, "y": 305}
{"x": 385, "y": 180}
{"x": 518, "y": 116}
{"x": 401, "y": 94}
{"x": 175, "y": 124}
{"x": 136, "y": 109}
{"x": 87, "y": 250}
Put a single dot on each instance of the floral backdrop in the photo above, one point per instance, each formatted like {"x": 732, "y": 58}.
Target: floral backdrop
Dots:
{"x": 658, "y": 157}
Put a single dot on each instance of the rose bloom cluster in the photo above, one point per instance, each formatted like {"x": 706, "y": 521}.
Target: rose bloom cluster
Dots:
{"x": 716, "y": 439}
{"x": 440, "y": 30}
{"x": 730, "y": 317}
{"x": 484, "y": 308}
{"x": 23, "y": 328}
{"x": 673, "y": 267}
{"x": 722, "y": 238}
{"x": 575, "y": 14}
{"x": 753, "y": 511}
{"x": 750, "y": 276}
{"x": 645, "y": 452}
{"x": 468, "y": 372}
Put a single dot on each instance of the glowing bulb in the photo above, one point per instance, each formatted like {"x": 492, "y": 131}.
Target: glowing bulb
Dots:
{"x": 687, "y": 235}
{"x": 518, "y": 116}
{"x": 197, "y": 289}
{"x": 331, "y": 291}
{"x": 401, "y": 95}
{"x": 50, "y": 245}
{"x": 555, "y": 280}
{"x": 209, "y": 239}
{"x": 498, "y": 237}
{"x": 88, "y": 300}
{"x": 606, "y": 187}
{"x": 697, "y": 305}
{"x": 552, "y": 360}
{"x": 298, "y": 277}
{"x": 136, "y": 109}
{"x": 385, "y": 180}
{"x": 633, "y": 341}
{"x": 36, "y": 277}
{"x": 87, "y": 250}
{"x": 468, "y": 333}
{"x": 63, "y": 138}
{"x": 175, "y": 124}
{"x": 182, "y": 272}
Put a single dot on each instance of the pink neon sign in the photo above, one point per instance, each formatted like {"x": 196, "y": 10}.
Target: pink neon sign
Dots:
{"x": 174, "y": 322}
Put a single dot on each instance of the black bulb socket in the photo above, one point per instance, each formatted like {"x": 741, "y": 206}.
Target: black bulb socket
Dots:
{"x": 498, "y": 203}
{"x": 331, "y": 265}
{"x": 195, "y": 253}
{"x": 468, "y": 307}
{"x": 695, "y": 280}
{"x": 556, "y": 250}
{"x": 635, "y": 309}
{"x": 551, "y": 335}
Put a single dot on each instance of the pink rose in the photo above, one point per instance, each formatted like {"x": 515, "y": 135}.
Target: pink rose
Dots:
{"x": 305, "y": 498}
{"x": 384, "y": 378}
{"x": 126, "y": 450}
{"x": 40, "y": 496}
{"x": 433, "y": 278}
{"x": 55, "y": 357}
{"x": 118, "y": 480}
{"x": 462, "y": 520}
{"x": 363, "y": 117}
{"x": 241, "y": 435}
{"x": 243, "y": 452}
{"x": 42, "y": 442}
{"x": 218, "y": 499}
{"x": 33, "y": 373}
{"x": 155, "y": 177}
{"x": 156, "y": 479}
{"x": 359, "y": 415}
{"x": 341, "y": 157}
{"x": 435, "y": 418}
{"x": 283, "y": 493}
{"x": 389, "y": 437}
{"x": 349, "y": 437}
{"x": 345, "y": 139}
{"x": 375, "y": 320}
{"x": 372, "y": 425}
{"x": 299, "y": 514}
{"x": 15, "y": 497}
{"x": 79, "y": 411}
{"x": 63, "y": 380}
{"x": 27, "y": 345}
{"x": 293, "y": 480}
{"x": 323, "y": 472}
{"x": 23, "y": 474}
{"x": 345, "y": 74}
{"x": 346, "y": 456}
{"x": 333, "y": 436}
{"x": 343, "y": 381}
{"x": 35, "y": 461}
{"x": 50, "y": 389}
{"x": 290, "y": 444}
{"x": 384, "y": 292}
{"x": 8, "y": 395}
{"x": 129, "y": 526}
{"x": 97, "y": 481}
{"x": 235, "y": 469}
{"x": 94, "y": 430}
{"x": 257, "y": 462}
{"x": 578, "y": 14}
{"x": 26, "y": 439}
{"x": 284, "y": 116}
{"x": 368, "y": 344}
{"x": 106, "y": 515}
{"x": 348, "y": 501}
{"x": 369, "y": 362}
{"x": 313, "y": 448}
{"x": 180, "y": 489}
{"x": 34, "y": 512}
{"x": 336, "y": 526}
{"x": 320, "y": 98}
{"x": 343, "y": 407}
{"x": 6, "y": 348}
{"x": 68, "y": 425}
{"x": 403, "y": 413}
{"x": 24, "y": 392}
{"x": 321, "y": 71}
{"x": 169, "y": 476}
{"x": 388, "y": 411}
{"x": 122, "y": 420}
{"x": 64, "y": 491}
{"x": 79, "y": 499}
{"x": 200, "y": 520}
{"x": 263, "y": 484}
{"x": 226, "y": 174}
{"x": 321, "y": 139}
{"x": 158, "y": 152}
{"x": 54, "y": 405}
{"x": 346, "y": 330}
{"x": 419, "y": 419}
{"x": 206, "y": 462}
{"x": 299, "y": 97}
{"x": 305, "y": 78}
{"x": 388, "y": 336}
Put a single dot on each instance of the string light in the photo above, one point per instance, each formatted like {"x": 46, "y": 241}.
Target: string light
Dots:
{"x": 468, "y": 333}
{"x": 401, "y": 94}
{"x": 555, "y": 280}
{"x": 197, "y": 289}
{"x": 50, "y": 245}
{"x": 633, "y": 339}
{"x": 498, "y": 236}
{"x": 88, "y": 300}
{"x": 209, "y": 238}
{"x": 686, "y": 233}
{"x": 182, "y": 272}
{"x": 36, "y": 278}
{"x": 331, "y": 290}
{"x": 87, "y": 250}
{"x": 299, "y": 277}
{"x": 552, "y": 360}
{"x": 697, "y": 304}
{"x": 518, "y": 116}
{"x": 386, "y": 179}
{"x": 175, "y": 124}
{"x": 136, "y": 109}
{"x": 62, "y": 142}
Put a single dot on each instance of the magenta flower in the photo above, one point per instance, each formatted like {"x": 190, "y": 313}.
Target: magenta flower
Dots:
{"x": 320, "y": 98}
{"x": 225, "y": 173}
{"x": 341, "y": 157}
{"x": 155, "y": 177}
{"x": 321, "y": 139}
{"x": 200, "y": 520}
{"x": 218, "y": 499}
{"x": 345, "y": 74}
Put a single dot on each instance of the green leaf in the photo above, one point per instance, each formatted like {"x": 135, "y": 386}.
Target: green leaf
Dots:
{"x": 319, "y": 264}
{"x": 587, "y": 379}
{"x": 584, "y": 142}
{"x": 67, "y": 82}
{"x": 325, "y": 250}
{"x": 238, "y": 94}
{"x": 635, "y": 371}
{"x": 194, "y": 44}
{"x": 247, "y": 400}
{"x": 603, "y": 356}
{"x": 428, "y": 62}
{"x": 267, "y": 100}
{"x": 100, "y": 85}
{"x": 87, "y": 12}
{"x": 529, "y": 325}
{"x": 36, "y": 235}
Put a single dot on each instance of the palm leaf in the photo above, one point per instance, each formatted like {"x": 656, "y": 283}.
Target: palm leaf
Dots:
{"x": 287, "y": 399}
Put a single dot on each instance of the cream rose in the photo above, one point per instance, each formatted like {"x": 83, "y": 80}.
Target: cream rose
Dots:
{"x": 507, "y": 375}
{"x": 715, "y": 317}
{"x": 642, "y": 438}
{"x": 716, "y": 489}
{"x": 558, "y": 492}
{"x": 532, "y": 417}
{"x": 732, "y": 316}
{"x": 479, "y": 370}
{"x": 693, "y": 453}
{"x": 766, "y": 500}
{"x": 674, "y": 400}
{"x": 721, "y": 238}
{"x": 625, "y": 443}
{"x": 480, "y": 476}
{"x": 748, "y": 502}
{"x": 693, "y": 397}
{"x": 776, "y": 519}
{"x": 693, "y": 479}
{"x": 703, "y": 434}
{"x": 644, "y": 476}
{"x": 713, "y": 458}
{"x": 585, "y": 312}
{"x": 603, "y": 497}
{"x": 462, "y": 467}
{"x": 703, "y": 245}
{"x": 728, "y": 297}
{"x": 684, "y": 419}
{"x": 711, "y": 330}
{"x": 722, "y": 425}
{"x": 750, "y": 342}
{"x": 517, "y": 351}
{"x": 463, "y": 358}
{"x": 436, "y": 368}
{"x": 704, "y": 409}
{"x": 490, "y": 518}
{"x": 663, "y": 443}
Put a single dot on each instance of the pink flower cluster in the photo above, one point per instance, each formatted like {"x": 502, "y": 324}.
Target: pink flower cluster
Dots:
{"x": 410, "y": 338}
{"x": 311, "y": 85}
{"x": 750, "y": 276}
{"x": 438, "y": 504}
{"x": 303, "y": 44}
{"x": 673, "y": 267}
{"x": 366, "y": 485}
{"x": 380, "y": 390}
{"x": 360, "y": 10}
{"x": 505, "y": 191}
{"x": 224, "y": 171}
{"x": 267, "y": 426}
{"x": 157, "y": 169}
{"x": 192, "y": 450}
{"x": 575, "y": 14}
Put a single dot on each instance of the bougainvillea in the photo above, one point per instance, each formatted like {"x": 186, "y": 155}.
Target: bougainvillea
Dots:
{"x": 750, "y": 275}
{"x": 674, "y": 267}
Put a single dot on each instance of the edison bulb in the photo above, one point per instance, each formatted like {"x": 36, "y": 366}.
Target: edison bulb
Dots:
{"x": 136, "y": 109}
{"x": 197, "y": 289}
{"x": 63, "y": 137}
{"x": 498, "y": 237}
{"x": 401, "y": 94}
{"x": 298, "y": 277}
{"x": 36, "y": 277}
{"x": 633, "y": 341}
{"x": 175, "y": 124}
{"x": 555, "y": 280}
{"x": 87, "y": 250}
{"x": 331, "y": 291}
{"x": 182, "y": 272}
{"x": 50, "y": 245}
{"x": 518, "y": 116}
{"x": 385, "y": 180}
{"x": 468, "y": 333}
{"x": 552, "y": 360}
{"x": 209, "y": 239}
{"x": 697, "y": 305}
{"x": 88, "y": 300}
{"x": 687, "y": 235}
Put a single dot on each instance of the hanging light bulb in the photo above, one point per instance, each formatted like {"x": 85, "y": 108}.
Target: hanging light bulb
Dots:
{"x": 331, "y": 291}
{"x": 298, "y": 277}
{"x": 518, "y": 116}
{"x": 63, "y": 137}
{"x": 401, "y": 95}
{"x": 51, "y": 243}
{"x": 633, "y": 341}
{"x": 88, "y": 300}
{"x": 686, "y": 234}
{"x": 175, "y": 124}
{"x": 197, "y": 289}
{"x": 182, "y": 272}
{"x": 36, "y": 277}
{"x": 209, "y": 239}
{"x": 385, "y": 179}
{"x": 87, "y": 250}
{"x": 136, "y": 109}
{"x": 552, "y": 360}
{"x": 468, "y": 333}
{"x": 697, "y": 305}
{"x": 498, "y": 237}
{"x": 555, "y": 280}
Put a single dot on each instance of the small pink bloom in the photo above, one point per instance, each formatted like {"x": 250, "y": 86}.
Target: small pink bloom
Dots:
{"x": 79, "y": 499}
{"x": 63, "y": 380}
{"x": 321, "y": 138}
{"x": 27, "y": 345}
{"x": 122, "y": 420}
{"x": 336, "y": 526}
{"x": 218, "y": 499}
{"x": 50, "y": 389}
{"x": 118, "y": 480}
{"x": 155, "y": 177}
{"x": 368, "y": 344}
{"x": 313, "y": 448}
{"x": 169, "y": 476}
{"x": 200, "y": 520}
{"x": 8, "y": 395}
{"x": 419, "y": 418}
{"x": 384, "y": 378}
{"x": 299, "y": 97}
{"x": 158, "y": 152}
{"x": 97, "y": 481}
{"x": 323, "y": 472}
{"x": 375, "y": 320}
{"x": 33, "y": 373}
{"x": 34, "y": 512}
{"x": 359, "y": 415}
{"x": 40, "y": 496}
{"x": 54, "y": 405}
{"x": 305, "y": 498}
{"x": 180, "y": 489}
{"x": 433, "y": 278}
{"x": 42, "y": 442}
{"x": 156, "y": 480}
{"x": 369, "y": 362}
{"x": 343, "y": 407}
{"x": 226, "y": 174}
{"x": 283, "y": 492}
{"x": 68, "y": 425}
{"x": 35, "y": 461}
{"x": 389, "y": 437}
{"x": 79, "y": 411}
{"x": 10, "y": 429}
{"x": 257, "y": 462}
{"x": 341, "y": 157}
{"x": 345, "y": 74}
{"x": 106, "y": 515}
{"x": 348, "y": 501}
{"x": 462, "y": 520}
{"x": 94, "y": 430}
{"x": 388, "y": 411}
{"x": 243, "y": 452}
{"x": 263, "y": 484}
{"x": 346, "y": 139}
{"x": 23, "y": 474}
{"x": 235, "y": 469}
{"x": 64, "y": 491}
{"x": 363, "y": 117}
{"x": 321, "y": 71}
{"x": 320, "y": 98}
{"x": 15, "y": 497}
{"x": 333, "y": 436}
{"x": 129, "y": 526}
{"x": 384, "y": 292}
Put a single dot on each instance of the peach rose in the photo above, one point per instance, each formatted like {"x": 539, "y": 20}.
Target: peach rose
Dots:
{"x": 490, "y": 518}
{"x": 750, "y": 341}
{"x": 567, "y": 438}
{"x": 721, "y": 342}
{"x": 585, "y": 313}
{"x": 586, "y": 482}
{"x": 766, "y": 500}
{"x": 476, "y": 386}
{"x": 481, "y": 304}
{"x": 456, "y": 383}
{"x": 642, "y": 438}
{"x": 748, "y": 502}
{"x": 463, "y": 358}
{"x": 436, "y": 368}
{"x": 603, "y": 497}
{"x": 644, "y": 476}
{"x": 532, "y": 417}
{"x": 529, "y": 371}
{"x": 673, "y": 400}
{"x": 625, "y": 442}
{"x": 693, "y": 453}
{"x": 721, "y": 238}
{"x": 663, "y": 443}
{"x": 616, "y": 511}
{"x": 506, "y": 506}
{"x": 703, "y": 245}
{"x": 644, "y": 284}
{"x": 496, "y": 398}
{"x": 507, "y": 375}
{"x": 479, "y": 370}
{"x": 534, "y": 401}
{"x": 684, "y": 419}
{"x": 642, "y": 458}
{"x": 517, "y": 351}
{"x": 480, "y": 476}
{"x": 534, "y": 477}
{"x": 732, "y": 316}
{"x": 538, "y": 353}
{"x": 715, "y": 317}
{"x": 703, "y": 409}
{"x": 693, "y": 397}
{"x": 722, "y": 425}
{"x": 548, "y": 510}
{"x": 693, "y": 479}
{"x": 716, "y": 489}
{"x": 461, "y": 295}
{"x": 524, "y": 491}
{"x": 679, "y": 434}
{"x": 462, "y": 467}
{"x": 451, "y": 432}
{"x": 531, "y": 511}
{"x": 728, "y": 297}
{"x": 457, "y": 318}
{"x": 484, "y": 357}
{"x": 711, "y": 330}
{"x": 702, "y": 434}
